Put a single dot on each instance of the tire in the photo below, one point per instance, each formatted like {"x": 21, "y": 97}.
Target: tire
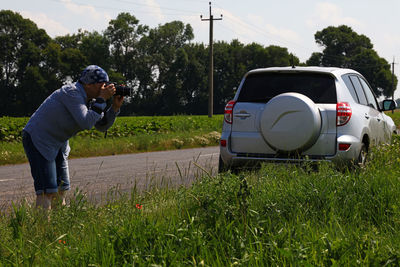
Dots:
{"x": 362, "y": 157}
{"x": 290, "y": 122}
{"x": 221, "y": 166}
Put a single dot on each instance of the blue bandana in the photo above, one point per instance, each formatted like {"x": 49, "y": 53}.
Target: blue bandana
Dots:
{"x": 93, "y": 74}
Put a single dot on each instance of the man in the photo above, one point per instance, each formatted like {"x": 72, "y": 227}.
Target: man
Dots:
{"x": 68, "y": 110}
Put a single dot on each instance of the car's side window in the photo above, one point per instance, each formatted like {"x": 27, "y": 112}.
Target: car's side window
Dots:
{"x": 370, "y": 96}
{"x": 359, "y": 90}
{"x": 346, "y": 79}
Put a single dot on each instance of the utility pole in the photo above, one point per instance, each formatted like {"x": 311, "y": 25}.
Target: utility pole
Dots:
{"x": 393, "y": 81}
{"x": 211, "y": 66}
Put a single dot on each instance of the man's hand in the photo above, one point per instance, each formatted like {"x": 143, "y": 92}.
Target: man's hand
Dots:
{"x": 107, "y": 91}
{"x": 117, "y": 102}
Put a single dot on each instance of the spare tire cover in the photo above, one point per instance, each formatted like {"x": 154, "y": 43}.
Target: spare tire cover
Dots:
{"x": 290, "y": 122}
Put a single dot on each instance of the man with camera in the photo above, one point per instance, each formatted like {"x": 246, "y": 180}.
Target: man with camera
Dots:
{"x": 68, "y": 110}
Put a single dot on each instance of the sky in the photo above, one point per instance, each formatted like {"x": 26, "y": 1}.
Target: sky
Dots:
{"x": 286, "y": 23}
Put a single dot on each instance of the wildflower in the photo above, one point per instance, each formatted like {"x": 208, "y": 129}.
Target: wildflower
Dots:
{"x": 138, "y": 206}
{"x": 177, "y": 143}
{"x": 62, "y": 242}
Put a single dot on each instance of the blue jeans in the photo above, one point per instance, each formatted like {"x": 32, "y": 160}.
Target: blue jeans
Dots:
{"x": 48, "y": 176}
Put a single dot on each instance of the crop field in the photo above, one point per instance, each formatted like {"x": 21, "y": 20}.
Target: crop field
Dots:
{"x": 11, "y": 127}
{"x": 395, "y": 116}
{"x": 127, "y": 135}
{"x": 278, "y": 215}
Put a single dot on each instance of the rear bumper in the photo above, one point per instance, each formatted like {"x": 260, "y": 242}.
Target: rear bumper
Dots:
{"x": 247, "y": 159}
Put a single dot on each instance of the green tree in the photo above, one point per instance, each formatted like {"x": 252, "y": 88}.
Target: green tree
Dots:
{"x": 342, "y": 47}
{"x": 96, "y": 49}
{"x": 29, "y": 63}
{"x": 340, "y": 44}
{"x": 82, "y": 49}
{"x": 168, "y": 43}
{"x": 161, "y": 68}
{"x": 375, "y": 69}
{"x": 315, "y": 59}
{"x": 123, "y": 34}
{"x": 194, "y": 88}
{"x": 230, "y": 65}
{"x": 168, "y": 73}
{"x": 73, "y": 62}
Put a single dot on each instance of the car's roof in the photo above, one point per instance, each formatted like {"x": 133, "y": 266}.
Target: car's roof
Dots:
{"x": 332, "y": 70}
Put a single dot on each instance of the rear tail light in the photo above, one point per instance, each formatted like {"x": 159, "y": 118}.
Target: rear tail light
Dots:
{"x": 228, "y": 114}
{"x": 344, "y": 147}
{"x": 223, "y": 143}
{"x": 343, "y": 113}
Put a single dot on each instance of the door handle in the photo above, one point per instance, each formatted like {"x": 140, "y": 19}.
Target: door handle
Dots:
{"x": 242, "y": 115}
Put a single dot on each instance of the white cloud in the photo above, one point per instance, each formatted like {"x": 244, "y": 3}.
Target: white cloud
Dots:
{"x": 255, "y": 29}
{"x": 85, "y": 10}
{"x": 283, "y": 34}
{"x": 272, "y": 31}
{"x": 387, "y": 44}
{"x": 239, "y": 28}
{"x": 155, "y": 9}
{"x": 92, "y": 18}
{"x": 330, "y": 14}
{"x": 200, "y": 28}
{"x": 52, "y": 27}
{"x": 392, "y": 39}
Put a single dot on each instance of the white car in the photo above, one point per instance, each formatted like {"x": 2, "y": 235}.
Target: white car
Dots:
{"x": 295, "y": 114}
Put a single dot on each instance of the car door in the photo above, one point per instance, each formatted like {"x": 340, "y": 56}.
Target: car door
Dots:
{"x": 370, "y": 114}
{"x": 376, "y": 114}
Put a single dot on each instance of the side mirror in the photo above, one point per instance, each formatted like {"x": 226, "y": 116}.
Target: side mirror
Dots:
{"x": 388, "y": 105}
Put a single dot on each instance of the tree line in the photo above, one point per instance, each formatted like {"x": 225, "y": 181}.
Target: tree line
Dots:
{"x": 168, "y": 72}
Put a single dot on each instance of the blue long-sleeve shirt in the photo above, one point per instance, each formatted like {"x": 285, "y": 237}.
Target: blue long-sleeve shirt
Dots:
{"x": 62, "y": 115}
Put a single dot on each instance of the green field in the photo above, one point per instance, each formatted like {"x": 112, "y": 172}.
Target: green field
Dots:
{"x": 395, "y": 116}
{"x": 277, "y": 216}
{"x": 127, "y": 135}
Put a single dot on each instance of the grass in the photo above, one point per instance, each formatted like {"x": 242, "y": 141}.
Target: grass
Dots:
{"x": 278, "y": 215}
{"x": 127, "y": 135}
{"x": 84, "y": 146}
{"x": 395, "y": 116}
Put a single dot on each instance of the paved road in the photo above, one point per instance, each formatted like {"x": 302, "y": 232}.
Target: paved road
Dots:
{"x": 98, "y": 176}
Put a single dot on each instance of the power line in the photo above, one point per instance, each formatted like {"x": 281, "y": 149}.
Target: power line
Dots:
{"x": 257, "y": 29}
{"x": 193, "y": 13}
{"x": 156, "y": 6}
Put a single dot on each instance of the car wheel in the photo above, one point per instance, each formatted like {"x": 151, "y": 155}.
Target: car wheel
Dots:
{"x": 362, "y": 157}
{"x": 221, "y": 165}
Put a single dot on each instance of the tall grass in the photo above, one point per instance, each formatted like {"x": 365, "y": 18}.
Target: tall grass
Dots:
{"x": 395, "y": 115}
{"x": 279, "y": 215}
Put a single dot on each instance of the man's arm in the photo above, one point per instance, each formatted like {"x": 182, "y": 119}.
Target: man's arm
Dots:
{"x": 109, "y": 116}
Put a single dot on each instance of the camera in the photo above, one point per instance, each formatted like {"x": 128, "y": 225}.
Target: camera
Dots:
{"x": 122, "y": 90}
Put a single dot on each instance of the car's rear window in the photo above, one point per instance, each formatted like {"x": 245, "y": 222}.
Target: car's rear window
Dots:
{"x": 262, "y": 87}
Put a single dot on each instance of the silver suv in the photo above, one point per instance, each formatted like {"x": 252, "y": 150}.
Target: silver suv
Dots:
{"x": 295, "y": 114}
